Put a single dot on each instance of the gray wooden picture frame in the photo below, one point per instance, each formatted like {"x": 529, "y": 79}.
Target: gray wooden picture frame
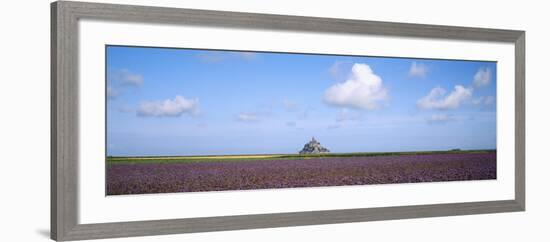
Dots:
{"x": 64, "y": 118}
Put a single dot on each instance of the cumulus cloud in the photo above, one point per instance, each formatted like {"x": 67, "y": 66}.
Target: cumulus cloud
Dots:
{"x": 248, "y": 117}
{"x": 418, "y": 70}
{"x": 482, "y": 77}
{"x": 484, "y": 100}
{"x": 436, "y": 99}
{"x": 126, "y": 77}
{"x": 362, "y": 90}
{"x": 338, "y": 68}
{"x": 169, "y": 107}
{"x": 120, "y": 80}
{"x": 440, "y": 119}
{"x": 334, "y": 69}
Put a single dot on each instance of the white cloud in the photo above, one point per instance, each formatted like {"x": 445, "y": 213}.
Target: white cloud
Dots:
{"x": 290, "y": 124}
{"x": 436, "y": 99}
{"x": 248, "y": 117}
{"x": 169, "y": 107}
{"x": 362, "y": 90}
{"x": 334, "y": 69}
{"x": 120, "y": 80}
{"x": 418, "y": 70}
{"x": 126, "y": 77}
{"x": 482, "y": 77}
{"x": 484, "y": 100}
{"x": 440, "y": 118}
{"x": 112, "y": 92}
{"x": 337, "y": 68}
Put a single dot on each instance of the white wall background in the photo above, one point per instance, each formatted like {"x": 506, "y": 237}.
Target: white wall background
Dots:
{"x": 24, "y": 123}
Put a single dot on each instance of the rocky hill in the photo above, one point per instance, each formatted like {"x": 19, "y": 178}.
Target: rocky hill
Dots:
{"x": 313, "y": 147}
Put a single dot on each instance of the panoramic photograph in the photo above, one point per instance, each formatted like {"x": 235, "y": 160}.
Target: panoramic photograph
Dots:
{"x": 194, "y": 120}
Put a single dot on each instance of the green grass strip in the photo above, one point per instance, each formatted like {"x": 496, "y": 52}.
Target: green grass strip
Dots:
{"x": 224, "y": 158}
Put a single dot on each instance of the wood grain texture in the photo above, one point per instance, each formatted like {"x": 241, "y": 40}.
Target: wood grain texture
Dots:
{"x": 520, "y": 120}
{"x": 175, "y": 226}
{"x": 64, "y": 86}
{"x": 64, "y": 118}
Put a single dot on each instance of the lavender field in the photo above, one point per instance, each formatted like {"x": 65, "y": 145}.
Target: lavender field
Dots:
{"x": 267, "y": 173}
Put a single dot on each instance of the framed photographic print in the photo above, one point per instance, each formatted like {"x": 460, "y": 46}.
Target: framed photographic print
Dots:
{"x": 170, "y": 120}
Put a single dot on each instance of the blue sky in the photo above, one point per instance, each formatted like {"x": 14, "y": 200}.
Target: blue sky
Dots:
{"x": 164, "y": 101}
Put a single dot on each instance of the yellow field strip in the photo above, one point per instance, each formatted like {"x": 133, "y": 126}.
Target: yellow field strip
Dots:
{"x": 195, "y": 157}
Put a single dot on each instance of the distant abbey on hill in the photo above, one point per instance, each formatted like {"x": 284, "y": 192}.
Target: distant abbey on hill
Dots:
{"x": 313, "y": 147}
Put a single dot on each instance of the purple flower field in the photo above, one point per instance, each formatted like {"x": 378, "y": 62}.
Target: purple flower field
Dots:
{"x": 314, "y": 172}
